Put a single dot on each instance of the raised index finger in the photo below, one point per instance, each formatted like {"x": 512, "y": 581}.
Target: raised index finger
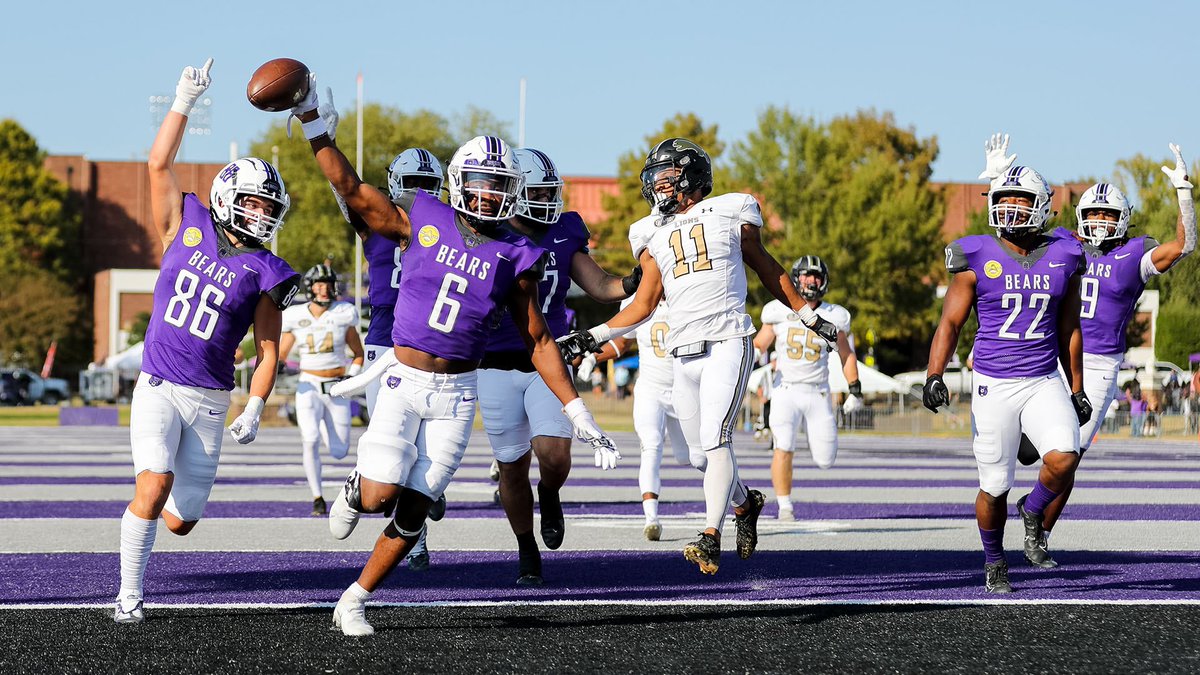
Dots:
{"x": 207, "y": 65}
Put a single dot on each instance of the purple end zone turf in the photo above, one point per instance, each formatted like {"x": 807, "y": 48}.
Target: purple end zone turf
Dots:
{"x": 829, "y": 576}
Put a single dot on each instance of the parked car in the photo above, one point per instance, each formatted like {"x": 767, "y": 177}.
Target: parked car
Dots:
{"x": 25, "y": 387}
{"x": 956, "y": 377}
{"x": 1162, "y": 374}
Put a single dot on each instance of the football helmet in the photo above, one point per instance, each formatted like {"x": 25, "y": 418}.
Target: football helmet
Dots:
{"x": 1011, "y": 218}
{"x": 812, "y": 265}
{"x": 485, "y": 169}
{"x": 248, "y": 176}
{"x": 1106, "y": 197}
{"x": 542, "y": 198}
{"x": 317, "y": 273}
{"x": 412, "y": 170}
{"x": 684, "y": 166}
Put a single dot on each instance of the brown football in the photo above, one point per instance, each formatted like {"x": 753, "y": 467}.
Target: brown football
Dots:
{"x": 278, "y": 85}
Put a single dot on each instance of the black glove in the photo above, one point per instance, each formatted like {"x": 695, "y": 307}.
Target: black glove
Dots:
{"x": 1083, "y": 407}
{"x": 935, "y": 393}
{"x": 855, "y": 388}
{"x": 575, "y": 344}
{"x": 630, "y": 283}
{"x": 825, "y": 328}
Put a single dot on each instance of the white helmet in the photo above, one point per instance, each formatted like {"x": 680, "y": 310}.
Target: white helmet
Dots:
{"x": 248, "y": 176}
{"x": 1026, "y": 182}
{"x": 485, "y": 166}
{"x": 542, "y": 179}
{"x": 1109, "y": 198}
{"x": 412, "y": 170}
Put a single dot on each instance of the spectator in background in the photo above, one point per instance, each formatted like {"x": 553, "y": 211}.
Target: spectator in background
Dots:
{"x": 1137, "y": 411}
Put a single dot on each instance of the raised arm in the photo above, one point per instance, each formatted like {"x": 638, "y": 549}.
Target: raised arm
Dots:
{"x": 1166, "y": 254}
{"x": 599, "y": 284}
{"x": 166, "y": 200}
{"x": 375, "y": 208}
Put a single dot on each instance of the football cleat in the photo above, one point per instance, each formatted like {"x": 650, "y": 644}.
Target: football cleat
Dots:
{"x": 129, "y": 610}
{"x": 653, "y": 531}
{"x": 554, "y": 525}
{"x": 438, "y": 510}
{"x": 342, "y": 516}
{"x": 1035, "y": 538}
{"x": 705, "y": 552}
{"x": 319, "y": 507}
{"x": 747, "y": 524}
{"x": 494, "y": 472}
{"x": 787, "y": 514}
{"x": 418, "y": 562}
{"x": 351, "y": 618}
{"x": 996, "y": 577}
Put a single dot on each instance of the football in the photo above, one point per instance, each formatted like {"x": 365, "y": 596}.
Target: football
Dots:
{"x": 278, "y": 85}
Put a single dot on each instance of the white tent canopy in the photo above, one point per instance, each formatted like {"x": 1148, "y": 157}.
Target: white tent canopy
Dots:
{"x": 873, "y": 381}
{"x": 128, "y": 363}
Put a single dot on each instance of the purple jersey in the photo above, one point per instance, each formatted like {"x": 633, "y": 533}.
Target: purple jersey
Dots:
{"x": 1109, "y": 292}
{"x": 454, "y": 291}
{"x": 561, "y": 241}
{"x": 383, "y": 281}
{"x": 204, "y": 301}
{"x": 1016, "y": 301}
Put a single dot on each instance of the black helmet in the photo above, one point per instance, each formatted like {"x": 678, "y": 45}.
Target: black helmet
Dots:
{"x": 317, "y": 273}
{"x": 811, "y": 264}
{"x": 695, "y": 172}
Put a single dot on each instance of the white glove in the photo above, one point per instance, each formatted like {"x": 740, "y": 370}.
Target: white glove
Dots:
{"x": 588, "y": 431}
{"x": 329, "y": 113}
{"x": 245, "y": 428}
{"x": 353, "y": 369}
{"x": 1178, "y": 175}
{"x": 586, "y": 367}
{"x": 852, "y": 404}
{"x": 309, "y": 103}
{"x": 192, "y": 84}
{"x": 997, "y": 163}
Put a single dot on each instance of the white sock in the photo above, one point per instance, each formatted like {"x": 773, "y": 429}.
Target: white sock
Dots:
{"x": 650, "y": 508}
{"x": 137, "y": 538}
{"x": 648, "y": 471}
{"x": 720, "y": 483}
{"x": 785, "y": 502}
{"x": 357, "y": 594}
{"x": 312, "y": 465}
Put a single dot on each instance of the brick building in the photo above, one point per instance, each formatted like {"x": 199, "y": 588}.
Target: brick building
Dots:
{"x": 121, "y": 249}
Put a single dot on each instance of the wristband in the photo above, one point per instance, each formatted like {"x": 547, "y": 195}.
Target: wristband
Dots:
{"x": 574, "y": 408}
{"x": 601, "y": 333}
{"x": 254, "y": 406}
{"x": 314, "y": 128}
{"x": 354, "y": 369}
{"x": 182, "y": 107}
{"x": 616, "y": 349}
{"x": 855, "y": 388}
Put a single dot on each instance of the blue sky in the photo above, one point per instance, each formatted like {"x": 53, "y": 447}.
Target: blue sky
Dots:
{"x": 1077, "y": 84}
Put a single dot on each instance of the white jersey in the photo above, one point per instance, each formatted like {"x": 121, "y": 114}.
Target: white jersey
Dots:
{"x": 321, "y": 341}
{"x": 654, "y": 363}
{"x": 700, "y": 256}
{"x": 800, "y": 354}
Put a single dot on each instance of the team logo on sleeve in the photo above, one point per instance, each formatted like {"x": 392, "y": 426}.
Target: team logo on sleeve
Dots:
{"x": 428, "y": 236}
{"x": 993, "y": 269}
{"x": 192, "y": 236}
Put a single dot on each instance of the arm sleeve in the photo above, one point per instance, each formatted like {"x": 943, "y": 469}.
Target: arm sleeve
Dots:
{"x": 283, "y": 292}
{"x": 956, "y": 258}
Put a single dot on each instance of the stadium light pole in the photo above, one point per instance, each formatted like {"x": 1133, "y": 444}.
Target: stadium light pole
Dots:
{"x": 358, "y": 165}
{"x": 521, "y": 117}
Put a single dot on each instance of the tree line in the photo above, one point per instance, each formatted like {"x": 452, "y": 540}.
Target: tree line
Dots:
{"x": 854, "y": 190}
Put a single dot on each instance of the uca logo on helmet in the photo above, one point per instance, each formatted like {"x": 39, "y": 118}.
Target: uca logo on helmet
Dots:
{"x": 229, "y": 173}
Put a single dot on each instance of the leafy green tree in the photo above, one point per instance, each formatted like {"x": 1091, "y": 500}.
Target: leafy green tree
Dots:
{"x": 39, "y": 221}
{"x": 314, "y": 227}
{"x": 36, "y": 308}
{"x": 856, "y": 191}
